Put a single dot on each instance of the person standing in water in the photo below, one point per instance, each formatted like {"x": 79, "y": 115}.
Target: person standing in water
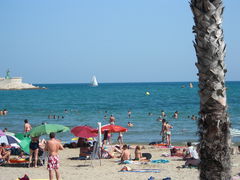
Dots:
{"x": 175, "y": 115}
{"x": 27, "y": 126}
{"x": 129, "y": 114}
{"x": 163, "y": 114}
{"x": 112, "y": 119}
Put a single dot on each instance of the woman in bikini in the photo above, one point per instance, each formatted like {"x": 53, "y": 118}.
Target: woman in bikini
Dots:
{"x": 34, "y": 148}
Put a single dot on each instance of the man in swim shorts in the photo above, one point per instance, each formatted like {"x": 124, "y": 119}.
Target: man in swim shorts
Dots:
{"x": 53, "y": 146}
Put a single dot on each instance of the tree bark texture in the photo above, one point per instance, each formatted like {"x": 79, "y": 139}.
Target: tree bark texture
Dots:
{"x": 213, "y": 122}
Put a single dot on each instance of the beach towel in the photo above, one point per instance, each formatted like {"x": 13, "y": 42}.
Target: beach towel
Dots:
{"x": 130, "y": 162}
{"x": 159, "y": 161}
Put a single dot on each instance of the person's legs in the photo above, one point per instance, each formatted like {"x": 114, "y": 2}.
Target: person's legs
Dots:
{"x": 122, "y": 140}
{"x": 30, "y": 158}
{"x": 57, "y": 174}
{"x": 192, "y": 162}
{"x": 50, "y": 174}
{"x": 168, "y": 141}
{"x": 35, "y": 157}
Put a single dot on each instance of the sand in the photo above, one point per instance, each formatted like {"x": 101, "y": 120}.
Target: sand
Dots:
{"x": 109, "y": 169}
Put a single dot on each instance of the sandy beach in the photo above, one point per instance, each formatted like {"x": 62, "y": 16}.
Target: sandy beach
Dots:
{"x": 109, "y": 169}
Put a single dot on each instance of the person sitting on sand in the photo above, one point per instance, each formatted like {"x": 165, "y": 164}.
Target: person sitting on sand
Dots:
{"x": 177, "y": 152}
{"x": 106, "y": 154}
{"x": 125, "y": 153}
{"x": 191, "y": 157}
{"x": 138, "y": 153}
{"x": 85, "y": 149}
{"x": 21, "y": 155}
{"x": 4, "y": 154}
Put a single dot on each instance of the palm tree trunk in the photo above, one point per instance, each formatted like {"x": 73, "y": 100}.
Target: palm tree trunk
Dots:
{"x": 213, "y": 122}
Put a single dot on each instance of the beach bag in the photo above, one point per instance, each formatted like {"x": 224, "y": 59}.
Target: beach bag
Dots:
{"x": 148, "y": 156}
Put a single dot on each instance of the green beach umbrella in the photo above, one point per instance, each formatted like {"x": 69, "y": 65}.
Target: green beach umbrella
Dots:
{"x": 24, "y": 144}
{"x": 20, "y": 136}
{"x": 47, "y": 129}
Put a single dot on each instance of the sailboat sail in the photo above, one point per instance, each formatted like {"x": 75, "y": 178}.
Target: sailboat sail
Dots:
{"x": 94, "y": 81}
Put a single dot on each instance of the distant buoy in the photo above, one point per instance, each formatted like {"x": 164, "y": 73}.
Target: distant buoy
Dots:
{"x": 147, "y": 93}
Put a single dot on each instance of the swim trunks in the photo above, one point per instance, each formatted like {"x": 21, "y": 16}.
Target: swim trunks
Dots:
{"x": 168, "y": 132}
{"x": 53, "y": 162}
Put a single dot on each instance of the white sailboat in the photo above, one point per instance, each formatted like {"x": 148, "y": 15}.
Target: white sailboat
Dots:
{"x": 94, "y": 82}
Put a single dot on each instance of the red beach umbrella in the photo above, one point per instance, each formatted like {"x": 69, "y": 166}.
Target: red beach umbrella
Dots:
{"x": 112, "y": 128}
{"x": 84, "y": 131}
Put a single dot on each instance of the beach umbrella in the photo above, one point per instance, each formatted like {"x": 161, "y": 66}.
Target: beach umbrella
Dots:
{"x": 112, "y": 128}
{"x": 24, "y": 144}
{"x": 8, "y": 139}
{"x": 10, "y": 133}
{"x": 20, "y": 136}
{"x": 47, "y": 129}
{"x": 2, "y": 133}
{"x": 84, "y": 131}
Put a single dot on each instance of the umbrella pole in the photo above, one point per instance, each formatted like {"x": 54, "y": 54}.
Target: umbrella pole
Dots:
{"x": 99, "y": 140}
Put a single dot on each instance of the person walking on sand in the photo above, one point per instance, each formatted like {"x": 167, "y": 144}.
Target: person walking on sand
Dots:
{"x": 168, "y": 128}
{"x": 27, "y": 126}
{"x": 53, "y": 146}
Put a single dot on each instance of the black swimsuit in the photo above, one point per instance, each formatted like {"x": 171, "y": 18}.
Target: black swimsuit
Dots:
{"x": 34, "y": 145}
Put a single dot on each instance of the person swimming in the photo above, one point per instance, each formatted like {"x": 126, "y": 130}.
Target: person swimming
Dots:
{"x": 130, "y": 124}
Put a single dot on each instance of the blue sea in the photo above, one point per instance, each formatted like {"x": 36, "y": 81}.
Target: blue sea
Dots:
{"x": 87, "y": 105}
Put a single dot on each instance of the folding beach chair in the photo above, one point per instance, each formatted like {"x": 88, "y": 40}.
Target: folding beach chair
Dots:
{"x": 95, "y": 154}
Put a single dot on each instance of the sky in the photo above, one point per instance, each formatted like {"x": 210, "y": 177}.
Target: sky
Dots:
{"x": 69, "y": 41}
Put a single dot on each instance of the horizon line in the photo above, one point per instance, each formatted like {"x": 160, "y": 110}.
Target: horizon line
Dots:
{"x": 130, "y": 82}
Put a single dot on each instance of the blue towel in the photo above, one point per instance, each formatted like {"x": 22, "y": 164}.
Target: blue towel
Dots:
{"x": 160, "y": 161}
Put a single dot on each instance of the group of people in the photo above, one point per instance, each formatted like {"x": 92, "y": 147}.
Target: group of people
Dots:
{"x": 3, "y": 112}
{"x": 48, "y": 148}
{"x": 190, "y": 155}
{"x": 55, "y": 117}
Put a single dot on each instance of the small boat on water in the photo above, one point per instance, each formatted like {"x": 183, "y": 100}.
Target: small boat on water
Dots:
{"x": 94, "y": 82}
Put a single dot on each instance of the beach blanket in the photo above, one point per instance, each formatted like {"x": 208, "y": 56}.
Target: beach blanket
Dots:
{"x": 131, "y": 162}
{"x": 159, "y": 161}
